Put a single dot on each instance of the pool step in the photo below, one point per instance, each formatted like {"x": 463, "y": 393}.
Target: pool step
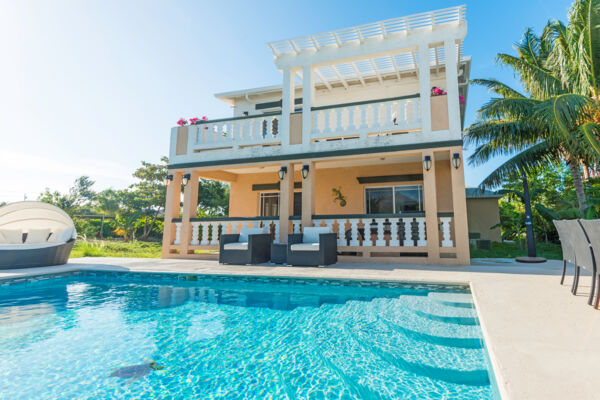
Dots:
{"x": 433, "y": 310}
{"x": 464, "y": 300}
{"x": 455, "y": 365}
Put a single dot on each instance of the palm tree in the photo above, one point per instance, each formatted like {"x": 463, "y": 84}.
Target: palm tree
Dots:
{"x": 548, "y": 124}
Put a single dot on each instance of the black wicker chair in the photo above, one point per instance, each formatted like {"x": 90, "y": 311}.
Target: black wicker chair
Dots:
{"x": 256, "y": 251}
{"x": 323, "y": 252}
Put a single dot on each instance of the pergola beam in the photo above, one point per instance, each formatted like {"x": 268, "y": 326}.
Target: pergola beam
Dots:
{"x": 362, "y": 81}
{"x": 340, "y": 77}
{"x": 376, "y": 71}
{"x": 395, "y": 68}
{"x": 322, "y": 79}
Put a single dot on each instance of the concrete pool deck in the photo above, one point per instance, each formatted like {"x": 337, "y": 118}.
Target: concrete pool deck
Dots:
{"x": 544, "y": 342}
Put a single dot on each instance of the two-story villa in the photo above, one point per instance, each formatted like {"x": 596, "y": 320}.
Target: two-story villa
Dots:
{"x": 354, "y": 138}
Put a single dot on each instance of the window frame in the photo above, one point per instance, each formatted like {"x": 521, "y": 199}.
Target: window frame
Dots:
{"x": 393, "y": 187}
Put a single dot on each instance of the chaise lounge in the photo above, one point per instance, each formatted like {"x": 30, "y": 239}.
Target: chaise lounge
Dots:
{"x": 34, "y": 234}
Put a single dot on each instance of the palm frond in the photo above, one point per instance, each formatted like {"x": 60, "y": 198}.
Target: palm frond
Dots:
{"x": 591, "y": 132}
{"x": 539, "y": 81}
{"x": 563, "y": 112}
{"x": 495, "y": 86}
{"x": 535, "y": 156}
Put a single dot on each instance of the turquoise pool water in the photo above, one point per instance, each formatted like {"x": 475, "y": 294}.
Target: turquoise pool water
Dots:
{"x": 91, "y": 335}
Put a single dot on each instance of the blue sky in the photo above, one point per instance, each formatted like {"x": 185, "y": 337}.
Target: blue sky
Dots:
{"x": 93, "y": 87}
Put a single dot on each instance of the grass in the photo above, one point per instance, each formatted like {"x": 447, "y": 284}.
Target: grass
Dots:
{"x": 550, "y": 251}
{"x": 115, "y": 248}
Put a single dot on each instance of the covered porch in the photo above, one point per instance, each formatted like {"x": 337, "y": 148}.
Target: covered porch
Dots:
{"x": 398, "y": 206}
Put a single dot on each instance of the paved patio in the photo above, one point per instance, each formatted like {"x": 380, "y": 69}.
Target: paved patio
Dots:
{"x": 543, "y": 341}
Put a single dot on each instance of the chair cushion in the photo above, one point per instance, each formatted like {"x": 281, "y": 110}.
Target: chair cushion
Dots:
{"x": 305, "y": 247}
{"x": 236, "y": 246}
{"x": 26, "y": 246}
{"x": 37, "y": 235}
{"x": 61, "y": 235}
{"x": 11, "y": 236}
{"x": 310, "y": 234}
{"x": 245, "y": 231}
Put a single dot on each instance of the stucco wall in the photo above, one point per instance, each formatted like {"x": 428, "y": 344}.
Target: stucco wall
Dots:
{"x": 244, "y": 201}
{"x": 482, "y": 214}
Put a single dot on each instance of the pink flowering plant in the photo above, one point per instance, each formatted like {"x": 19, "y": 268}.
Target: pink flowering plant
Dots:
{"x": 193, "y": 121}
{"x": 461, "y": 100}
{"x": 436, "y": 91}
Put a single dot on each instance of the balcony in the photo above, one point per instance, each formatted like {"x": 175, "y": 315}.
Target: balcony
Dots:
{"x": 366, "y": 125}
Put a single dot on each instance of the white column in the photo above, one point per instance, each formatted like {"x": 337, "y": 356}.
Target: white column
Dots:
{"x": 287, "y": 105}
{"x": 452, "y": 87}
{"x": 425, "y": 88}
{"x": 307, "y": 100}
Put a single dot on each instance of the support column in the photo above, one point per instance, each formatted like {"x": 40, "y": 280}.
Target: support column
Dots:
{"x": 308, "y": 194}
{"x": 308, "y": 93}
{"x": 459, "y": 202}
{"x": 172, "y": 206}
{"x": 431, "y": 211}
{"x": 286, "y": 202}
{"x": 190, "y": 205}
{"x": 287, "y": 105}
{"x": 425, "y": 88}
{"x": 452, "y": 87}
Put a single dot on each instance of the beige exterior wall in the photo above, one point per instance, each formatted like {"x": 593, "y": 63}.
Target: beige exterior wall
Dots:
{"x": 244, "y": 202}
{"x": 482, "y": 214}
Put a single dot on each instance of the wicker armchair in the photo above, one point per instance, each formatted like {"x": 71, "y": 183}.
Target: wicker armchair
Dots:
{"x": 250, "y": 246}
{"x": 315, "y": 247}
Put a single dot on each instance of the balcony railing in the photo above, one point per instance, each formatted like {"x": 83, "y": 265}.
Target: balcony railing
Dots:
{"x": 364, "y": 118}
{"x": 354, "y": 231}
{"x": 236, "y": 132}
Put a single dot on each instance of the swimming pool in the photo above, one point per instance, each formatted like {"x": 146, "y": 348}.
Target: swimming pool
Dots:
{"x": 94, "y": 334}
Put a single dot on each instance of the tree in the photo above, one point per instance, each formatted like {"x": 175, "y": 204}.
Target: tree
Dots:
{"x": 78, "y": 200}
{"x": 213, "y": 198}
{"x": 149, "y": 194}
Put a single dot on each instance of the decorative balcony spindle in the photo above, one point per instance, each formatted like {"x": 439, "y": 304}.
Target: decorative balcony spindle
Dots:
{"x": 354, "y": 232}
{"x": 408, "y": 240}
{"x": 422, "y": 242}
{"x": 214, "y": 240}
{"x": 446, "y": 241}
{"x": 388, "y": 113}
{"x": 204, "y": 226}
{"x": 351, "y": 123}
{"x": 380, "y": 232}
{"x": 177, "y": 233}
{"x": 338, "y": 119}
{"x": 394, "y": 233}
{"x": 296, "y": 225}
{"x": 341, "y": 233}
{"x": 194, "y": 240}
{"x": 276, "y": 223}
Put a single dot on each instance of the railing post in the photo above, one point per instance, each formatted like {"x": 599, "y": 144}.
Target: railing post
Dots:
{"x": 394, "y": 233}
{"x": 380, "y": 232}
{"x": 446, "y": 241}
{"x": 177, "y": 240}
{"x": 422, "y": 242}
{"x": 354, "y": 232}
{"x": 408, "y": 232}
{"x": 194, "y": 241}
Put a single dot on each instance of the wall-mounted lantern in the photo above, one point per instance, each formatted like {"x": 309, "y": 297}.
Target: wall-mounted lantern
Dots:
{"x": 427, "y": 163}
{"x": 456, "y": 160}
{"x": 169, "y": 179}
{"x": 282, "y": 171}
{"x": 305, "y": 169}
{"x": 185, "y": 179}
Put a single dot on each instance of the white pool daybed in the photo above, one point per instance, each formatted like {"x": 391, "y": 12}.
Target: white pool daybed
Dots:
{"x": 34, "y": 234}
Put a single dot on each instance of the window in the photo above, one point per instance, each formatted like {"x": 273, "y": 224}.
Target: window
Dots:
{"x": 269, "y": 204}
{"x": 394, "y": 199}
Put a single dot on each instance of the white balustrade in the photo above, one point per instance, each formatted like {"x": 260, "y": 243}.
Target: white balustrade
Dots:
{"x": 177, "y": 233}
{"x": 362, "y": 119}
{"x": 214, "y": 237}
{"x": 204, "y": 226}
{"x": 354, "y": 232}
{"x": 296, "y": 225}
{"x": 446, "y": 241}
{"x": 263, "y": 129}
{"x": 395, "y": 236}
{"x": 276, "y": 223}
{"x": 408, "y": 240}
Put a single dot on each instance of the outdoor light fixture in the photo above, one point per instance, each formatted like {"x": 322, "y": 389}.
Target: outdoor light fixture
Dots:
{"x": 186, "y": 179}
{"x": 282, "y": 172}
{"x": 169, "y": 178}
{"x": 456, "y": 160}
{"x": 427, "y": 163}
{"x": 305, "y": 169}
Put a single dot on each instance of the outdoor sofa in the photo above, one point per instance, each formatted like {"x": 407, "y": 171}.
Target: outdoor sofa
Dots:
{"x": 316, "y": 246}
{"x": 250, "y": 246}
{"x": 34, "y": 234}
